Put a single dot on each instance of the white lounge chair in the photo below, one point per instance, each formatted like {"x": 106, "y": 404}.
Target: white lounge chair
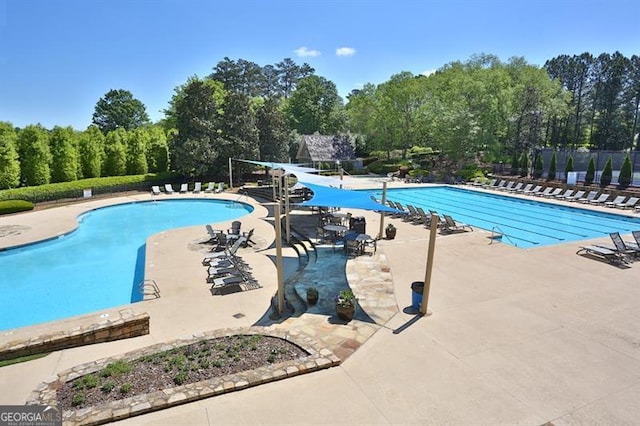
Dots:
{"x": 564, "y": 195}
{"x": 546, "y": 192}
{"x": 553, "y": 193}
{"x": 168, "y": 189}
{"x": 601, "y": 199}
{"x": 618, "y": 200}
{"x": 210, "y": 187}
{"x": 575, "y": 197}
{"x": 197, "y": 187}
{"x": 533, "y": 191}
{"x": 590, "y": 196}
{"x": 629, "y": 204}
{"x": 184, "y": 188}
{"x": 525, "y": 189}
{"x": 516, "y": 188}
{"x": 155, "y": 190}
{"x": 219, "y": 188}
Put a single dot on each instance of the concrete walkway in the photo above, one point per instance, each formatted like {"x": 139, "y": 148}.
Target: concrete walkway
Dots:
{"x": 516, "y": 336}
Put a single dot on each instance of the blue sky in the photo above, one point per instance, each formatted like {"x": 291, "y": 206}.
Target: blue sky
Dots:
{"x": 58, "y": 57}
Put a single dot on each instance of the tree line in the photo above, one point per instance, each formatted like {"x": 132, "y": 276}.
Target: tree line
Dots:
{"x": 244, "y": 110}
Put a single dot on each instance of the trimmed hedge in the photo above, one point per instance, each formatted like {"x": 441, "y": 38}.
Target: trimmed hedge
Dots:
{"x": 106, "y": 185}
{"x": 15, "y": 206}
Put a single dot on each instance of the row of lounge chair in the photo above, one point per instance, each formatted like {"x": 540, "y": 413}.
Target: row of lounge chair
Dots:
{"x": 571, "y": 195}
{"x": 619, "y": 253}
{"x": 417, "y": 215}
{"x": 225, "y": 268}
{"x": 184, "y": 188}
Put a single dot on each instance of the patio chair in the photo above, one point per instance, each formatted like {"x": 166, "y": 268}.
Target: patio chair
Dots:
{"x": 197, "y": 187}
{"x": 629, "y": 204}
{"x": 210, "y": 187}
{"x": 219, "y": 188}
{"x": 168, "y": 188}
{"x": 564, "y": 195}
{"x": 246, "y": 235}
{"x": 636, "y": 237}
{"x": 553, "y": 193}
{"x": 413, "y": 215}
{"x": 618, "y": 200}
{"x": 516, "y": 188}
{"x": 450, "y": 225}
{"x": 478, "y": 181}
{"x": 507, "y": 187}
{"x": 590, "y": 196}
{"x": 229, "y": 253}
{"x": 575, "y": 197}
{"x": 546, "y": 192}
{"x": 525, "y": 189}
{"x": 533, "y": 191}
{"x": 601, "y": 199}
{"x": 155, "y": 190}
{"x": 488, "y": 183}
{"x": 184, "y": 188}
{"x": 603, "y": 253}
{"x": 619, "y": 246}
{"x": 425, "y": 217}
{"x": 499, "y": 186}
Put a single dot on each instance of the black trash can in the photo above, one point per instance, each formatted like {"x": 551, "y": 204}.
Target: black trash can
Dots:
{"x": 417, "y": 290}
{"x": 358, "y": 224}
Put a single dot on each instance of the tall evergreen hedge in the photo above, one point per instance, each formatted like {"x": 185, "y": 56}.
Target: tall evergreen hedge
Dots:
{"x": 607, "y": 173}
{"x": 553, "y": 165}
{"x": 624, "y": 180}
{"x": 591, "y": 172}
{"x": 538, "y": 168}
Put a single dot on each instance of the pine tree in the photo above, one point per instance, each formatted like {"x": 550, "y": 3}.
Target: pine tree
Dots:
{"x": 591, "y": 172}
{"x": 607, "y": 173}
{"x": 624, "y": 180}
{"x": 553, "y": 165}
{"x": 9, "y": 162}
{"x": 539, "y": 167}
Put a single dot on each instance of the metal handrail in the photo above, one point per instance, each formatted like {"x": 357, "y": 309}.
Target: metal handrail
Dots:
{"x": 149, "y": 287}
{"x": 501, "y": 233}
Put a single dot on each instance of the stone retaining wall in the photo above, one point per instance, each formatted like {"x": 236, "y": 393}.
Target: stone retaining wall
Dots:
{"x": 127, "y": 325}
{"x": 319, "y": 358}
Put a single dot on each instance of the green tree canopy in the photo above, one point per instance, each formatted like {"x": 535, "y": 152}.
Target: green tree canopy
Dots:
{"x": 35, "y": 156}
{"x": 119, "y": 109}
{"x": 115, "y": 151}
{"x": 9, "y": 162}
{"x": 64, "y": 151}
{"x": 91, "y": 152}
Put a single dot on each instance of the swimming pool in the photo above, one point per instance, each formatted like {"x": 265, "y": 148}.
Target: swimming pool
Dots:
{"x": 524, "y": 222}
{"x": 97, "y": 266}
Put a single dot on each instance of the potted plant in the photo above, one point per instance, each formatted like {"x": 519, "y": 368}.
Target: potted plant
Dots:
{"x": 390, "y": 231}
{"x": 346, "y": 305}
{"x": 312, "y": 295}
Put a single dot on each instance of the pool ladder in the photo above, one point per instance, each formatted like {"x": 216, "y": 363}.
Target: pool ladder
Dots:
{"x": 497, "y": 234}
{"x": 149, "y": 287}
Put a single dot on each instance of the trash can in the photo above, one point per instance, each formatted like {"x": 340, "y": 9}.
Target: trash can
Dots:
{"x": 417, "y": 290}
{"x": 358, "y": 224}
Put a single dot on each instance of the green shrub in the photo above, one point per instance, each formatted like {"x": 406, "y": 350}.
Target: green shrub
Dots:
{"x": 90, "y": 381}
{"x": 524, "y": 164}
{"x": 58, "y": 191}
{"x": 607, "y": 173}
{"x": 14, "y": 206}
{"x": 78, "y": 399}
{"x": 125, "y": 388}
{"x": 624, "y": 180}
{"x": 107, "y": 387}
{"x": 180, "y": 378}
{"x": 591, "y": 172}
{"x": 553, "y": 165}
{"x": 538, "y": 168}
{"x": 382, "y": 168}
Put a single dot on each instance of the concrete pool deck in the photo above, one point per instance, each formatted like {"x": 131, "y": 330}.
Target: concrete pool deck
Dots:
{"x": 517, "y": 336}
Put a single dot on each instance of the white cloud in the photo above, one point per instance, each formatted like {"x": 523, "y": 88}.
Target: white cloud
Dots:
{"x": 305, "y": 51}
{"x": 427, "y": 73}
{"x": 345, "y": 51}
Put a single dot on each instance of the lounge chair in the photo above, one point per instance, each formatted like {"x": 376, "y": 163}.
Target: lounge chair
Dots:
{"x": 499, "y": 186}
{"x": 197, "y": 187}
{"x": 508, "y": 186}
{"x": 219, "y": 188}
{"x": 601, "y": 199}
{"x": 210, "y": 187}
{"x": 575, "y": 197}
{"x": 590, "y": 196}
{"x": 489, "y": 183}
{"x": 450, "y": 225}
{"x": 184, "y": 188}
{"x": 229, "y": 253}
{"x": 246, "y": 235}
{"x": 629, "y": 204}
{"x": 618, "y": 200}
{"x": 235, "y": 228}
{"x": 525, "y": 189}
{"x": 155, "y": 190}
{"x": 636, "y": 237}
{"x": 478, "y": 181}
{"x": 553, "y": 193}
{"x": 546, "y": 192}
{"x": 610, "y": 256}
{"x": 533, "y": 191}
{"x": 168, "y": 188}
{"x": 564, "y": 195}
{"x": 516, "y": 188}
{"x": 619, "y": 246}
{"x": 425, "y": 217}
{"x": 413, "y": 215}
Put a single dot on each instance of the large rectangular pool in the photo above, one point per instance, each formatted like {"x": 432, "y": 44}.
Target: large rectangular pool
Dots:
{"x": 524, "y": 222}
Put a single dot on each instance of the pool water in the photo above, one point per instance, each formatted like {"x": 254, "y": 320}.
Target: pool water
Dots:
{"x": 524, "y": 223}
{"x": 97, "y": 266}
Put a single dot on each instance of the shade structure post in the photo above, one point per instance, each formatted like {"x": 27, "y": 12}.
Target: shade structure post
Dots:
{"x": 273, "y": 185}
{"x": 433, "y": 230}
{"x": 384, "y": 200}
{"x": 230, "y": 175}
{"x": 279, "y": 258}
{"x": 286, "y": 209}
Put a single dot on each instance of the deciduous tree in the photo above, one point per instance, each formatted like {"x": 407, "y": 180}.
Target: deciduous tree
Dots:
{"x": 9, "y": 162}
{"x": 91, "y": 149}
{"x": 119, "y": 109}
{"x": 35, "y": 156}
{"x": 64, "y": 151}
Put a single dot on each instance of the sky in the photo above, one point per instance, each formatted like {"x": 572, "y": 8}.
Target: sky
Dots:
{"x": 59, "y": 57}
